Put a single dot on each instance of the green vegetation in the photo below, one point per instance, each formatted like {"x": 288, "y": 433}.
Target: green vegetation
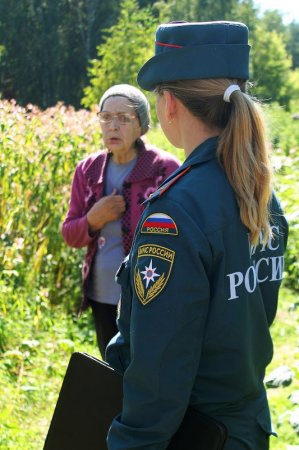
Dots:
{"x": 98, "y": 44}
{"x": 40, "y": 276}
{"x": 74, "y": 49}
{"x": 284, "y": 133}
{"x": 285, "y": 336}
{"x": 32, "y": 370}
{"x": 131, "y": 40}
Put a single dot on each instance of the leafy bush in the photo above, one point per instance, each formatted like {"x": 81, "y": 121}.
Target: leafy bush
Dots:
{"x": 284, "y": 133}
{"x": 38, "y": 154}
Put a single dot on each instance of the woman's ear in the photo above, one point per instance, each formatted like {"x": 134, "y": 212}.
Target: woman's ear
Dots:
{"x": 170, "y": 106}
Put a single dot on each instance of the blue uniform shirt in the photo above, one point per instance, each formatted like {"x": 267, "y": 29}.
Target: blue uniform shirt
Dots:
{"x": 197, "y": 302}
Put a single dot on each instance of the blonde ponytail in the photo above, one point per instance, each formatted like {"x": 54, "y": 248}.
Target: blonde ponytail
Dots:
{"x": 243, "y": 154}
{"x": 242, "y": 149}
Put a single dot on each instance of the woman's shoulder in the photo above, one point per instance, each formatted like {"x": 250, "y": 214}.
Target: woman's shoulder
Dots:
{"x": 96, "y": 159}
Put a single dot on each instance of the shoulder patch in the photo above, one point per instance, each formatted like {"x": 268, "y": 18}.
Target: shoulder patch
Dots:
{"x": 152, "y": 271}
{"x": 159, "y": 223}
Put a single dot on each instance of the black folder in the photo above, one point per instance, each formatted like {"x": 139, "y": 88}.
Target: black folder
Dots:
{"x": 91, "y": 396}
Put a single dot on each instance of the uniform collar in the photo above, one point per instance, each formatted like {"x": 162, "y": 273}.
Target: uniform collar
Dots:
{"x": 204, "y": 152}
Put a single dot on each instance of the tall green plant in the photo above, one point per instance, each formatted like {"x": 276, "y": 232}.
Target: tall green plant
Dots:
{"x": 38, "y": 154}
{"x": 284, "y": 133}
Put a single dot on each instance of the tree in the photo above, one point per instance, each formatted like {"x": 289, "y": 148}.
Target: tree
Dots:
{"x": 272, "y": 21}
{"x": 179, "y": 10}
{"x": 50, "y": 49}
{"x": 199, "y": 10}
{"x": 294, "y": 82}
{"x": 207, "y": 10}
{"x": 270, "y": 66}
{"x": 48, "y": 45}
{"x": 293, "y": 43}
{"x": 127, "y": 45}
{"x": 246, "y": 12}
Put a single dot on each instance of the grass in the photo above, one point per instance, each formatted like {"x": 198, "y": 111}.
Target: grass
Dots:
{"x": 285, "y": 333}
{"x": 32, "y": 371}
{"x": 31, "y": 375}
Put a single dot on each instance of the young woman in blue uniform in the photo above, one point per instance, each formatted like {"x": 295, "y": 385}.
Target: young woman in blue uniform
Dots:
{"x": 200, "y": 286}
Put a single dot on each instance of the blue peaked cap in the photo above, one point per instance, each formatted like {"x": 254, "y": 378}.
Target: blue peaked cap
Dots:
{"x": 197, "y": 50}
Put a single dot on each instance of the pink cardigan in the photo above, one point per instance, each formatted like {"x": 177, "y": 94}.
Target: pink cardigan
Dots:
{"x": 152, "y": 167}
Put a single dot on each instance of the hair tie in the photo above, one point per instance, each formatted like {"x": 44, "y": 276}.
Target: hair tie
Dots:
{"x": 229, "y": 91}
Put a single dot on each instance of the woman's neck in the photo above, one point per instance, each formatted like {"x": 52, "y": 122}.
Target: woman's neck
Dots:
{"x": 200, "y": 133}
{"x": 124, "y": 157}
{"x": 196, "y": 139}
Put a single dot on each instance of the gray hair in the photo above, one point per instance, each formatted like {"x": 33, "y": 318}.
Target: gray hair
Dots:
{"x": 136, "y": 97}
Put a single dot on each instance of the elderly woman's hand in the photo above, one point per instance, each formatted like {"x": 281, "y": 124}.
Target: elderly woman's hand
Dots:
{"x": 107, "y": 209}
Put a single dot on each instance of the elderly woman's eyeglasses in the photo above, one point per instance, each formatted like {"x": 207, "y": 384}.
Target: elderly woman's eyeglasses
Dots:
{"x": 122, "y": 118}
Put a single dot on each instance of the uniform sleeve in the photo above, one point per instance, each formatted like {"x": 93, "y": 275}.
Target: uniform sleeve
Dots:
{"x": 170, "y": 300}
{"x": 75, "y": 226}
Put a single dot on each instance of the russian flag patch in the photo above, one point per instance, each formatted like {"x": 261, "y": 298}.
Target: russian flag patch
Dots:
{"x": 159, "y": 223}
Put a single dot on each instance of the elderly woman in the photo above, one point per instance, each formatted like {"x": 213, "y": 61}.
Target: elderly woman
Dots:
{"x": 107, "y": 196}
